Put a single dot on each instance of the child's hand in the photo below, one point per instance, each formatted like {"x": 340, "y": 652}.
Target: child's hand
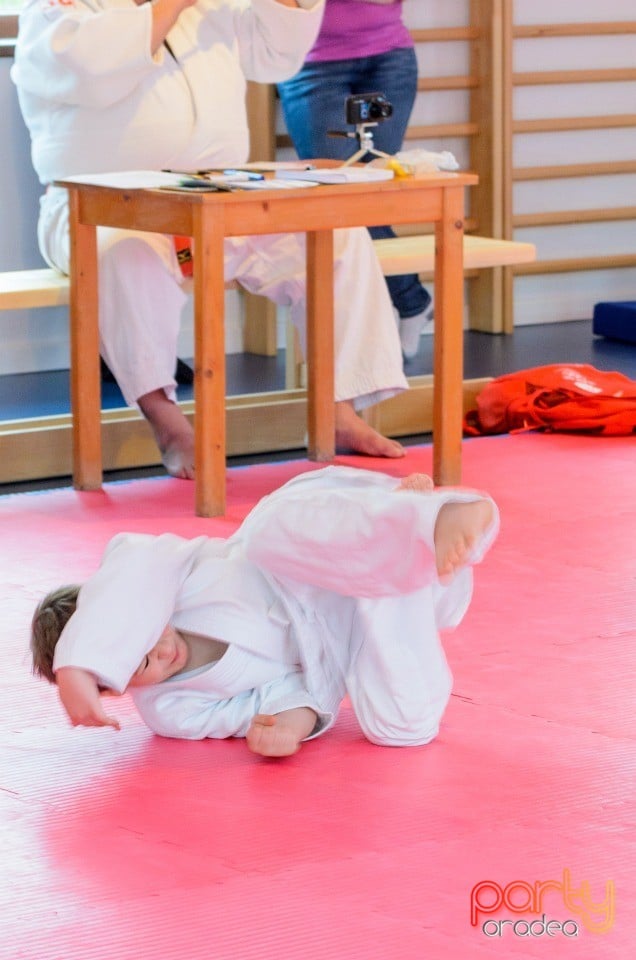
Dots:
{"x": 271, "y": 739}
{"x": 81, "y": 699}
{"x": 280, "y": 735}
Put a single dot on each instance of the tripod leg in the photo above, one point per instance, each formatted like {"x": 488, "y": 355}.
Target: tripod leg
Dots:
{"x": 363, "y": 152}
{"x": 358, "y": 155}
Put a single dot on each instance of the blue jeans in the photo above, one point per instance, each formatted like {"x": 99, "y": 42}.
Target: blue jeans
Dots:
{"x": 313, "y": 103}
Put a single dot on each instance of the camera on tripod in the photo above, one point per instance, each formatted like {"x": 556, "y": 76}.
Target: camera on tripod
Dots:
{"x": 367, "y": 108}
{"x": 364, "y": 111}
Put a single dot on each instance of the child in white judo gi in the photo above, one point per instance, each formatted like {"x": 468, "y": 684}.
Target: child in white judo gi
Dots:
{"x": 338, "y": 583}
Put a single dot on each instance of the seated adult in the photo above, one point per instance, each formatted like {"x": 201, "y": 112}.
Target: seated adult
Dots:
{"x": 106, "y": 85}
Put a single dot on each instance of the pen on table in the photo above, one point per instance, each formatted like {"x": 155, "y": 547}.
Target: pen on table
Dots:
{"x": 215, "y": 174}
{"x": 243, "y": 174}
{"x": 195, "y": 174}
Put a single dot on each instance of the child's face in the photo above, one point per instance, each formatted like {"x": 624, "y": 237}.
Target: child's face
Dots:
{"x": 168, "y": 657}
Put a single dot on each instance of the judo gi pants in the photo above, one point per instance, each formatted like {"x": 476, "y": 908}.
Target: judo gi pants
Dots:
{"x": 358, "y": 560}
{"x": 141, "y": 299}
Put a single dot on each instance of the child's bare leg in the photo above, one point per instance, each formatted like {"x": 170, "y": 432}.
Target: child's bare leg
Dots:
{"x": 280, "y": 735}
{"x": 458, "y": 526}
{"x": 417, "y": 481}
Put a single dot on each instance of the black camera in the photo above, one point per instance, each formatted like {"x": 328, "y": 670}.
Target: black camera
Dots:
{"x": 367, "y": 108}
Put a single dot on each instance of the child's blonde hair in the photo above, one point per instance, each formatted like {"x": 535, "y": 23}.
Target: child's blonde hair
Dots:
{"x": 50, "y": 617}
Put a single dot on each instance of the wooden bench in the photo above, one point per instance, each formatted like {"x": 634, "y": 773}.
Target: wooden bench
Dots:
{"x": 26, "y": 289}
{"x": 416, "y": 254}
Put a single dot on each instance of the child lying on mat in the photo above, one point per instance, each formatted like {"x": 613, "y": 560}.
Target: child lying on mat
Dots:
{"x": 335, "y": 584}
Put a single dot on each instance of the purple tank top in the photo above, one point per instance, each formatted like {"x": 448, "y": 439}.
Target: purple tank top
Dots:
{"x": 354, "y": 28}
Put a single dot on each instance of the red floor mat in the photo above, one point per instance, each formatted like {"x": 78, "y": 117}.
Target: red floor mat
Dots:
{"x": 125, "y": 845}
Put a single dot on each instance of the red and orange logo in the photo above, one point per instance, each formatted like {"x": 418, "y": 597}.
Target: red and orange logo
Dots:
{"x": 520, "y": 897}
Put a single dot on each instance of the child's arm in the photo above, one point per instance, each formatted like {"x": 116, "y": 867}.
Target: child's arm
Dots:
{"x": 280, "y": 735}
{"x": 124, "y": 607}
{"x": 182, "y": 709}
{"x": 81, "y": 698}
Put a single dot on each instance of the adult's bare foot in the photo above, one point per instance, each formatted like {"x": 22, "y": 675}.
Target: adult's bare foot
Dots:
{"x": 173, "y": 433}
{"x": 352, "y": 433}
{"x": 457, "y": 528}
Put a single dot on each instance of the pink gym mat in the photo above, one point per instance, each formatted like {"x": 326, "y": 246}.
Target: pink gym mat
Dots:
{"x": 126, "y": 846}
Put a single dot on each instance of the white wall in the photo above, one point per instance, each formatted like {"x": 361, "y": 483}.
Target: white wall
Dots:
{"x": 31, "y": 339}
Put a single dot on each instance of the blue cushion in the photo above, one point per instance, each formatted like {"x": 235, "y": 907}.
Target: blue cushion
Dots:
{"x": 615, "y": 320}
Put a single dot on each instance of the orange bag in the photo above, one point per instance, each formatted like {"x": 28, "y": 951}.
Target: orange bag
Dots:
{"x": 572, "y": 397}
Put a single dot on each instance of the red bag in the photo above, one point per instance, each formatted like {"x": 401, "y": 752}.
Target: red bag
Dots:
{"x": 572, "y": 397}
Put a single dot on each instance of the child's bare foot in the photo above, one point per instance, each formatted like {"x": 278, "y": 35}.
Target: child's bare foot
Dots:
{"x": 457, "y": 528}
{"x": 417, "y": 481}
{"x": 173, "y": 433}
{"x": 352, "y": 433}
{"x": 271, "y": 739}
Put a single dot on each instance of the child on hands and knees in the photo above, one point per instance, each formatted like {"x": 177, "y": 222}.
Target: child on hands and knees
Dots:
{"x": 332, "y": 586}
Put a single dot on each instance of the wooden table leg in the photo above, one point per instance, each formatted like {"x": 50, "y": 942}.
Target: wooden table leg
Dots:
{"x": 321, "y": 423}
{"x": 209, "y": 363}
{"x": 85, "y": 381}
{"x": 448, "y": 360}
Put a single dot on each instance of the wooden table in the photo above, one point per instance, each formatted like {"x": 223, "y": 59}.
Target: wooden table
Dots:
{"x": 210, "y": 217}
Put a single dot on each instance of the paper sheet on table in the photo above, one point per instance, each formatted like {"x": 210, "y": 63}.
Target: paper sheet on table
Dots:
{"x": 364, "y": 174}
{"x": 157, "y": 179}
{"x": 129, "y": 179}
{"x": 274, "y": 183}
{"x": 270, "y": 166}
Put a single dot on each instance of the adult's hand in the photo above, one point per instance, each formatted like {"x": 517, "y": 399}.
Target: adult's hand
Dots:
{"x": 81, "y": 699}
{"x": 306, "y": 4}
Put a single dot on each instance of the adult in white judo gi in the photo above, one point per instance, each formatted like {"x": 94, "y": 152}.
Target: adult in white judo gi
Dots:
{"x": 123, "y": 85}
{"x": 338, "y": 583}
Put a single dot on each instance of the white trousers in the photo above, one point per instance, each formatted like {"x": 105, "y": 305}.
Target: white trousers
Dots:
{"x": 355, "y": 561}
{"x": 400, "y": 682}
{"x": 141, "y": 299}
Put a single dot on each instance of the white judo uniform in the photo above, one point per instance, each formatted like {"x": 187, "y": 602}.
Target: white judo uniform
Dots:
{"x": 95, "y": 99}
{"x": 328, "y": 588}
